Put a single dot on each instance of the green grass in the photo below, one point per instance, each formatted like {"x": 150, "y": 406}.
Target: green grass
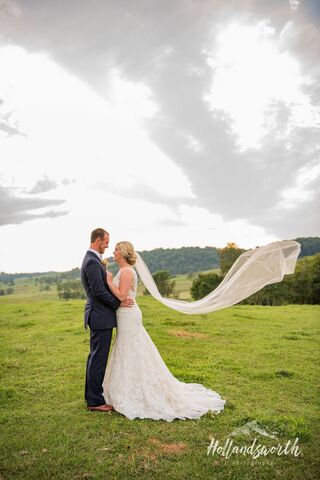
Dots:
{"x": 263, "y": 360}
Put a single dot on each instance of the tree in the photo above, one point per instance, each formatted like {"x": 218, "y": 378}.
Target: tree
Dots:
{"x": 165, "y": 286}
{"x": 7, "y": 291}
{"x": 315, "y": 280}
{"x": 228, "y": 255}
{"x": 204, "y": 284}
{"x": 70, "y": 289}
{"x": 305, "y": 283}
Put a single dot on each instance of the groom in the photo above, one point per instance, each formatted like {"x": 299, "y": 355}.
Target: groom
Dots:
{"x": 100, "y": 315}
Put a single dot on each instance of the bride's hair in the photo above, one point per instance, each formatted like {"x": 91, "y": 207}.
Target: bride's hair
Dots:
{"x": 127, "y": 251}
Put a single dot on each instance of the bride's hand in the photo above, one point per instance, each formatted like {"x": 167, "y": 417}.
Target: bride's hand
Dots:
{"x": 109, "y": 277}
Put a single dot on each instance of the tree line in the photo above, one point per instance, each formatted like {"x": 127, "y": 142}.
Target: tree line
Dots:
{"x": 178, "y": 261}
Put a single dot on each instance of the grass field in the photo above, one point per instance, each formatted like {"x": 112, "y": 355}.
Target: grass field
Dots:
{"x": 263, "y": 360}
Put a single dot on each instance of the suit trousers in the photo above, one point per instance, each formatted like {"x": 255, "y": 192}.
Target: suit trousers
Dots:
{"x": 100, "y": 341}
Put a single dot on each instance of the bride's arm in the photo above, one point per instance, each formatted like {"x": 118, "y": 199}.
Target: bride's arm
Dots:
{"x": 126, "y": 278}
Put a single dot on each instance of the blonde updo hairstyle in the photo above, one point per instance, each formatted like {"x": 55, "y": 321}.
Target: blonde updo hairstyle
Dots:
{"x": 127, "y": 251}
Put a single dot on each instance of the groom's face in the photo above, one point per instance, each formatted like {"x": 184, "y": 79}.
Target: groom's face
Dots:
{"x": 104, "y": 243}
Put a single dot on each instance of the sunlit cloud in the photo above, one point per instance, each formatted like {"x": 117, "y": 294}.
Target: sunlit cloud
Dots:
{"x": 294, "y": 4}
{"x": 307, "y": 185}
{"x": 251, "y": 76}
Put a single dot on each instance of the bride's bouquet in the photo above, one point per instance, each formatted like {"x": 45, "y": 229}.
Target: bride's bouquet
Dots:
{"x": 105, "y": 263}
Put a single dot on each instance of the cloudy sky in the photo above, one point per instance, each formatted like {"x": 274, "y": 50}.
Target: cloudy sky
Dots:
{"x": 172, "y": 123}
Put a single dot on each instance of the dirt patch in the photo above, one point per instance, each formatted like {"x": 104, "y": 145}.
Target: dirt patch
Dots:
{"x": 171, "y": 448}
{"x": 149, "y": 456}
{"x": 186, "y": 334}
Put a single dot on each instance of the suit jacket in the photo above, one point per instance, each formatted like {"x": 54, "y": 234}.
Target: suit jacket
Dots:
{"x": 101, "y": 304}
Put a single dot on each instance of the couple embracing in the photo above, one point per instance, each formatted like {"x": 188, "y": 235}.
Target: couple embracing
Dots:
{"x": 133, "y": 380}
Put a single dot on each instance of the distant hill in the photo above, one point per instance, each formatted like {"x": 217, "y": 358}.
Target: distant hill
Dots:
{"x": 181, "y": 260}
{"x": 176, "y": 260}
{"x": 69, "y": 275}
{"x": 309, "y": 246}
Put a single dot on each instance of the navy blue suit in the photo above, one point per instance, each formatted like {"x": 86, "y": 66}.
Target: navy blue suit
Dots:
{"x": 100, "y": 315}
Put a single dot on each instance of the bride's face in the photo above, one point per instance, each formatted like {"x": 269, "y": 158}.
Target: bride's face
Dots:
{"x": 117, "y": 255}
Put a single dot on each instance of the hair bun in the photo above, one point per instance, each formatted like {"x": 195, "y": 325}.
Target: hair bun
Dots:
{"x": 127, "y": 251}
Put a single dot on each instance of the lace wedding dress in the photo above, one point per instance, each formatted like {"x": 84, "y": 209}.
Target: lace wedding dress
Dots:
{"x": 138, "y": 383}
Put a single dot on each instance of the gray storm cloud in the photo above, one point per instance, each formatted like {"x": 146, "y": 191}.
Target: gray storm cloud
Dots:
{"x": 15, "y": 210}
{"x": 9, "y": 129}
{"x": 161, "y": 44}
{"x": 6, "y": 124}
{"x": 142, "y": 191}
{"x": 43, "y": 185}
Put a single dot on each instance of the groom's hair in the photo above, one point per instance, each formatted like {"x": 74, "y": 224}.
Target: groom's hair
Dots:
{"x": 97, "y": 233}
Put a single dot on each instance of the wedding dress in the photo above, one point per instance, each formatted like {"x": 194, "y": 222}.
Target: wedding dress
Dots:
{"x": 138, "y": 383}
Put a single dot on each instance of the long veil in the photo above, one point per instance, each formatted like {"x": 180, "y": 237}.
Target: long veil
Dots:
{"x": 250, "y": 272}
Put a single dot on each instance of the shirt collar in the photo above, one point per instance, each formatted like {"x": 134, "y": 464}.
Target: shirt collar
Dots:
{"x": 97, "y": 253}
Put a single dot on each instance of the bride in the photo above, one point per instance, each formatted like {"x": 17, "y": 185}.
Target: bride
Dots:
{"x": 137, "y": 382}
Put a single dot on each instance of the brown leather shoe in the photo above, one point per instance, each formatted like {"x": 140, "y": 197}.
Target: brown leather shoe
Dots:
{"x": 102, "y": 408}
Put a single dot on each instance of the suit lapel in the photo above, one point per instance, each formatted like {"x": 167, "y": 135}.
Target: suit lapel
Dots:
{"x": 94, "y": 256}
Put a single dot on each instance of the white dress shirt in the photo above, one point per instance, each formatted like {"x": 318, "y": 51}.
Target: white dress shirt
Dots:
{"x": 97, "y": 253}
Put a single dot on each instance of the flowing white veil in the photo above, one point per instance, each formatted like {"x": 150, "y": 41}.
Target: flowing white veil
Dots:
{"x": 250, "y": 272}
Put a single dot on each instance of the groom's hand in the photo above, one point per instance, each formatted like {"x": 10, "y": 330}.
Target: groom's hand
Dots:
{"x": 128, "y": 302}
